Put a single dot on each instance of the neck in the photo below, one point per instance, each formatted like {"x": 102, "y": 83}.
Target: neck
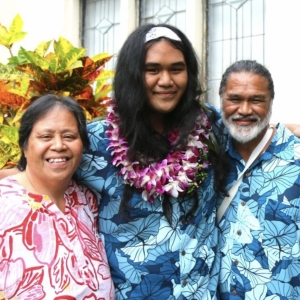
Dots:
{"x": 246, "y": 149}
{"x": 55, "y": 191}
{"x": 157, "y": 122}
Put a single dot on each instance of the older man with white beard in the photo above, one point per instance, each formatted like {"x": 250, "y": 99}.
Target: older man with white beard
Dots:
{"x": 260, "y": 219}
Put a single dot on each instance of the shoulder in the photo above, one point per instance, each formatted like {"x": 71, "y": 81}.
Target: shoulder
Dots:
{"x": 84, "y": 194}
{"x": 213, "y": 113}
{"x": 283, "y": 134}
{"x": 12, "y": 194}
{"x": 96, "y": 160}
{"x": 286, "y": 145}
{"x": 97, "y": 130}
{"x": 8, "y": 183}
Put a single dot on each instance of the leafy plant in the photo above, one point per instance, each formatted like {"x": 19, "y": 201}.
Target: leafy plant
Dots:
{"x": 56, "y": 67}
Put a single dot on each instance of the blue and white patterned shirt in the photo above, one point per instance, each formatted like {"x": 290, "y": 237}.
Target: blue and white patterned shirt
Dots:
{"x": 149, "y": 259}
{"x": 260, "y": 231}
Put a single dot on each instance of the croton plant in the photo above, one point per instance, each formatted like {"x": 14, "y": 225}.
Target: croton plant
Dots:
{"x": 56, "y": 67}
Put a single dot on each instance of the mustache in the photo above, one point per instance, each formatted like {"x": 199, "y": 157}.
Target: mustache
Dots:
{"x": 245, "y": 118}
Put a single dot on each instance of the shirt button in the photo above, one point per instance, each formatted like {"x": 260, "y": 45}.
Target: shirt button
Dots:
{"x": 183, "y": 252}
{"x": 236, "y": 262}
{"x": 243, "y": 203}
{"x": 184, "y": 282}
{"x": 247, "y": 174}
{"x": 234, "y": 292}
{"x": 239, "y": 232}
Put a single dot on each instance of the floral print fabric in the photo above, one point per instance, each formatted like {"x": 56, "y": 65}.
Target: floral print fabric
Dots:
{"x": 148, "y": 257}
{"x": 45, "y": 254}
{"x": 260, "y": 231}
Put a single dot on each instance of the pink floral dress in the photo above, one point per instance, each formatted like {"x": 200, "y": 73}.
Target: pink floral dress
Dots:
{"x": 45, "y": 254}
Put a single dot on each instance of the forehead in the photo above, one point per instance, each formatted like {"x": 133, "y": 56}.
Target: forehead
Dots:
{"x": 247, "y": 82}
{"x": 57, "y": 115}
{"x": 163, "y": 50}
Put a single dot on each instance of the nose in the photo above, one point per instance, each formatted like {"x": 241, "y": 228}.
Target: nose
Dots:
{"x": 245, "y": 108}
{"x": 165, "y": 79}
{"x": 58, "y": 144}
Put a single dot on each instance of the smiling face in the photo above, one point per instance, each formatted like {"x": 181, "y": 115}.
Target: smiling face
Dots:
{"x": 166, "y": 77}
{"x": 54, "y": 147}
{"x": 246, "y": 106}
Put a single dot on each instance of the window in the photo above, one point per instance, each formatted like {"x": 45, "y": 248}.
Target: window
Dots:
{"x": 103, "y": 30}
{"x": 101, "y": 27}
{"x": 167, "y": 12}
{"x": 236, "y": 30}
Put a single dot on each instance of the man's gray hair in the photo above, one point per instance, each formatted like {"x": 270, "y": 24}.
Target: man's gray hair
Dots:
{"x": 247, "y": 66}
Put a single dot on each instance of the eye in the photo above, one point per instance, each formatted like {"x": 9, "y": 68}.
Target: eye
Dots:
{"x": 152, "y": 70}
{"x": 45, "y": 137}
{"x": 69, "y": 137}
{"x": 177, "y": 70}
{"x": 234, "y": 99}
{"x": 257, "y": 100}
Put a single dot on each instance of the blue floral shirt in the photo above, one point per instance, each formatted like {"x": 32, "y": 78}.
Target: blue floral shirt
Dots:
{"x": 260, "y": 230}
{"x": 149, "y": 258}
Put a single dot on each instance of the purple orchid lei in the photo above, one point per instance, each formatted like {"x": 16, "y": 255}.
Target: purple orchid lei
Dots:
{"x": 180, "y": 172}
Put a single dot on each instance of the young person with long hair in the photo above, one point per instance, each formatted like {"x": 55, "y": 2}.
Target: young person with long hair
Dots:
{"x": 153, "y": 163}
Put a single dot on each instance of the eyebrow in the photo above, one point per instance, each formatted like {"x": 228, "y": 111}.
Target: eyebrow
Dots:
{"x": 50, "y": 130}
{"x": 260, "y": 96}
{"x": 153, "y": 64}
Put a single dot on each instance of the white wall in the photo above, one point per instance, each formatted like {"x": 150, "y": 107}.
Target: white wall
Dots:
{"x": 44, "y": 20}
{"x": 282, "y": 57}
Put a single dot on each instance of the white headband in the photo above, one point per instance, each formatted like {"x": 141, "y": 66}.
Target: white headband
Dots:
{"x": 157, "y": 32}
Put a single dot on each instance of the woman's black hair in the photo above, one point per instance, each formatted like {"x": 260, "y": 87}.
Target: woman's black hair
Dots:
{"x": 131, "y": 98}
{"x": 39, "y": 108}
{"x": 132, "y": 103}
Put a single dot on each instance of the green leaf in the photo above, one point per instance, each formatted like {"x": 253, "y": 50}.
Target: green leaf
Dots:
{"x": 15, "y": 34}
{"x": 70, "y": 60}
{"x": 103, "y": 92}
{"x": 22, "y": 89}
{"x": 9, "y": 134}
{"x": 103, "y": 77}
{"x": 4, "y": 37}
{"x": 62, "y": 46}
{"x": 54, "y": 64}
{"x": 32, "y": 57}
{"x": 10, "y": 73}
{"x": 102, "y": 56}
{"x": 42, "y": 48}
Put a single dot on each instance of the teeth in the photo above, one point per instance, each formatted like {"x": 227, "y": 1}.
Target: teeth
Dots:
{"x": 57, "y": 160}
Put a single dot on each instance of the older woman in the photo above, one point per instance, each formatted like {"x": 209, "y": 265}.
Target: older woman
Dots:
{"x": 49, "y": 246}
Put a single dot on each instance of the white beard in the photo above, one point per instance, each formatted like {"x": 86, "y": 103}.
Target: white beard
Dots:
{"x": 244, "y": 134}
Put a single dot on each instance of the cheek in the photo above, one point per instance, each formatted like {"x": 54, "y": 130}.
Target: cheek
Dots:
{"x": 78, "y": 150}
{"x": 149, "y": 82}
{"x": 228, "y": 110}
{"x": 263, "y": 111}
{"x": 183, "y": 81}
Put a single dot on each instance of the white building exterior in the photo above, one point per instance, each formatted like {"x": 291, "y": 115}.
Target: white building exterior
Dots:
{"x": 45, "y": 20}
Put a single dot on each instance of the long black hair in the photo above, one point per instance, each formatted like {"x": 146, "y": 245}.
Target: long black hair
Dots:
{"x": 131, "y": 103}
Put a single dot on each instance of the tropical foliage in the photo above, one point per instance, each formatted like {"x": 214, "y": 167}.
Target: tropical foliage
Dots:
{"x": 55, "y": 66}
